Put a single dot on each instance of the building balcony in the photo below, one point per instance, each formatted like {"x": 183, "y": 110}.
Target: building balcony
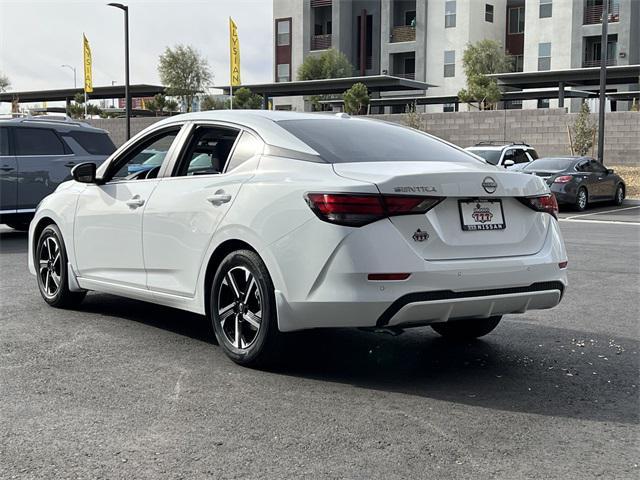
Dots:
{"x": 407, "y": 75}
{"x": 593, "y": 13}
{"x": 596, "y": 63}
{"x": 404, "y": 33}
{"x": 320, "y": 42}
{"x": 321, "y": 3}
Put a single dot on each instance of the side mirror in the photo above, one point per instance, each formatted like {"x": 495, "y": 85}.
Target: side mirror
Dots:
{"x": 84, "y": 172}
{"x": 508, "y": 163}
{"x": 609, "y": 171}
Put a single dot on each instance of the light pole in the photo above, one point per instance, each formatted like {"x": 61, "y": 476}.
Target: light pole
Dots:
{"x": 127, "y": 98}
{"x": 75, "y": 85}
{"x": 113, "y": 100}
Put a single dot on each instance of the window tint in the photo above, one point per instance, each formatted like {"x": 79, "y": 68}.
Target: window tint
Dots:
{"x": 247, "y": 147}
{"x": 356, "y": 140}
{"x": 94, "y": 143}
{"x": 146, "y": 155}
{"x": 4, "y": 141}
{"x": 596, "y": 167}
{"x": 517, "y": 155}
{"x": 533, "y": 154}
{"x": 551, "y": 164}
{"x": 207, "y": 151}
{"x": 491, "y": 156}
{"x": 37, "y": 141}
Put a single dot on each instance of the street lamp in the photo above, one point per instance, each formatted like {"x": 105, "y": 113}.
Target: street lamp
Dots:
{"x": 127, "y": 98}
{"x": 74, "y": 74}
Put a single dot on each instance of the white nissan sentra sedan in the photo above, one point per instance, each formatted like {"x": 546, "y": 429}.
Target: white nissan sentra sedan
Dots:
{"x": 270, "y": 222}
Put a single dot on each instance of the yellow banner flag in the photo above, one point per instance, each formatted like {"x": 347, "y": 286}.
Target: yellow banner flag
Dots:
{"x": 234, "y": 44}
{"x": 88, "y": 78}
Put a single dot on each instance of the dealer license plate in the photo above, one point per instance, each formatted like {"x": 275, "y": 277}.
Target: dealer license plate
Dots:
{"x": 481, "y": 214}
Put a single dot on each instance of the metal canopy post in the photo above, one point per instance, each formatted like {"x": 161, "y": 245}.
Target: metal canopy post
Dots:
{"x": 603, "y": 79}
{"x": 561, "y": 95}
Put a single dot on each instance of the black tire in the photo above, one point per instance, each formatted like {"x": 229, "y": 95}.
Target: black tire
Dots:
{"x": 467, "y": 329}
{"x": 51, "y": 267}
{"x": 619, "y": 195}
{"x": 235, "y": 311}
{"x": 20, "y": 226}
{"x": 582, "y": 199}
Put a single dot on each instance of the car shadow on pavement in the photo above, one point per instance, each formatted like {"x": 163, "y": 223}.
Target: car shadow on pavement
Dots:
{"x": 13, "y": 241}
{"x": 520, "y": 367}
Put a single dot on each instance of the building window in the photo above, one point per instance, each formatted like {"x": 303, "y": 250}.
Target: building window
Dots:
{"x": 513, "y": 105}
{"x": 518, "y": 63}
{"x": 283, "y": 74}
{"x": 543, "y": 103}
{"x": 449, "y": 63}
{"x": 544, "y": 56}
{"x": 450, "y": 107}
{"x": 545, "y": 8}
{"x": 410, "y": 18}
{"x": 283, "y": 33}
{"x": 516, "y": 20}
{"x": 450, "y": 14}
{"x": 488, "y": 13}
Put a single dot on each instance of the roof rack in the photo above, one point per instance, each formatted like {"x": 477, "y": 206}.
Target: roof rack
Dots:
{"x": 502, "y": 142}
{"x": 28, "y": 117}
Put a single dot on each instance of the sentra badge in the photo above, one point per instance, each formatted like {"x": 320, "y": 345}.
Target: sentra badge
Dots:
{"x": 415, "y": 189}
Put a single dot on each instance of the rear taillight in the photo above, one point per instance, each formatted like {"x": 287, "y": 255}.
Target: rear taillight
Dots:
{"x": 355, "y": 210}
{"x": 563, "y": 179}
{"x": 543, "y": 203}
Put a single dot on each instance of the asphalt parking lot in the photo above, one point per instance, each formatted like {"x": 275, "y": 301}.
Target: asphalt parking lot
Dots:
{"x": 124, "y": 389}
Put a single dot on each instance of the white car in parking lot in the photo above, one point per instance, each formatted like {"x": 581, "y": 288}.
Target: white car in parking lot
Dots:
{"x": 300, "y": 221}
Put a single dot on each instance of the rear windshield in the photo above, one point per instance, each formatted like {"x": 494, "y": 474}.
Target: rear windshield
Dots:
{"x": 94, "y": 143}
{"x": 491, "y": 156}
{"x": 551, "y": 164}
{"x": 354, "y": 140}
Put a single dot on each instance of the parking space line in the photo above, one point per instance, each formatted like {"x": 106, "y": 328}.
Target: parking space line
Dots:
{"x": 612, "y": 222}
{"x": 598, "y": 213}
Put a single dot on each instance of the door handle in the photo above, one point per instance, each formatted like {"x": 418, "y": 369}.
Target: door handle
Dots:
{"x": 219, "y": 198}
{"x": 70, "y": 164}
{"x": 135, "y": 201}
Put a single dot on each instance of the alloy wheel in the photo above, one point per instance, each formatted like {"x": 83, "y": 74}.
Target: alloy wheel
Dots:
{"x": 620, "y": 195}
{"x": 50, "y": 266}
{"x": 240, "y": 307}
{"x": 582, "y": 199}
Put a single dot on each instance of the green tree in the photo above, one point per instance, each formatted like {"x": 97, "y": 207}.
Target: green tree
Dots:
{"x": 329, "y": 64}
{"x": 5, "y": 84}
{"x": 76, "y": 108}
{"x": 243, "y": 99}
{"x": 171, "y": 105}
{"x": 583, "y": 132}
{"x": 212, "y": 103}
{"x": 184, "y": 72}
{"x": 356, "y": 99}
{"x": 479, "y": 60}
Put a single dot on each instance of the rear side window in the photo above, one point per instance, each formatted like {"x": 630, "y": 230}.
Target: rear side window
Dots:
{"x": 94, "y": 143}
{"x": 354, "y": 140}
{"x": 247, "y": 147}
{"x": 37, "y": 141}
{"x": 4, "y": 141}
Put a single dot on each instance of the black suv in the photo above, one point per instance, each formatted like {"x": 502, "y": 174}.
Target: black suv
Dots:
{"x": 36, "y": 155}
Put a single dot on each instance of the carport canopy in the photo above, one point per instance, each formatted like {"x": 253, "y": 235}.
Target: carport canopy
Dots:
{"x": 67, "y": 94}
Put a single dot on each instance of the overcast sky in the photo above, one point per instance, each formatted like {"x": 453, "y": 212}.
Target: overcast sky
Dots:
{"x": 38, "y": 36}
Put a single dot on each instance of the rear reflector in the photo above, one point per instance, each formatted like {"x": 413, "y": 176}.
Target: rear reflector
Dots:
{"x": 563, "y": 179}
{"x": 388, "y": 276}
{"x": 563, "y": 264}
{"x": 543, "y": 203}
{"x": 356, "y": 210}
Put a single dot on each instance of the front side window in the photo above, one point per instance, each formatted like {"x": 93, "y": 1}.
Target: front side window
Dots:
{"x": 37, "y": 141}
{"x": 449, "y": 63}
{"x": 488, "y": 13}
{"x": 283, "y": 32}
{"x": 207, "y": 151}
{"x": 450, "y": 14}
{"x": 283, "y": 72}
{"x": 357, "y": 140}
{"x": 516, "y": 20}
{"x": 544, "y": 56}
{"x": 546, "y": 7}
{"x": 146, "y": 157}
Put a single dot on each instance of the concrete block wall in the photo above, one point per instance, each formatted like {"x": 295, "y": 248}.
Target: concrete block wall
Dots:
{"x": 544, "y": 129}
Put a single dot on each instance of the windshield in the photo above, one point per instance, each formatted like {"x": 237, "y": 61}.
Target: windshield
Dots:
{"x": 354, "y": 140}
{"x": 491, "y": 156}
{"x": 550, "y": 164}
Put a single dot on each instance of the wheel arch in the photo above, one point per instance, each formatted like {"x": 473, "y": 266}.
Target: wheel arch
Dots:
{"x": 37, "y": 231}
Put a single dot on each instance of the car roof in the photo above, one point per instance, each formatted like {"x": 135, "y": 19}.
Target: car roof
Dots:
{"x": 55, "y": 123}
{"x": 567, "y": 158}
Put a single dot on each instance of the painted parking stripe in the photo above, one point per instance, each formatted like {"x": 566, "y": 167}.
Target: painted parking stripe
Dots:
{"x": 610, "y": 222}
{"x": 598, "y": 213}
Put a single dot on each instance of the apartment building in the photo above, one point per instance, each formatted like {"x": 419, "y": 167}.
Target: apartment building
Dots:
{"x": 425, "y": 39}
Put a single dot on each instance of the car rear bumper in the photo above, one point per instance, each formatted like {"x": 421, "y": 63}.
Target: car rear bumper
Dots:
{"x": 436, "y": 291}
